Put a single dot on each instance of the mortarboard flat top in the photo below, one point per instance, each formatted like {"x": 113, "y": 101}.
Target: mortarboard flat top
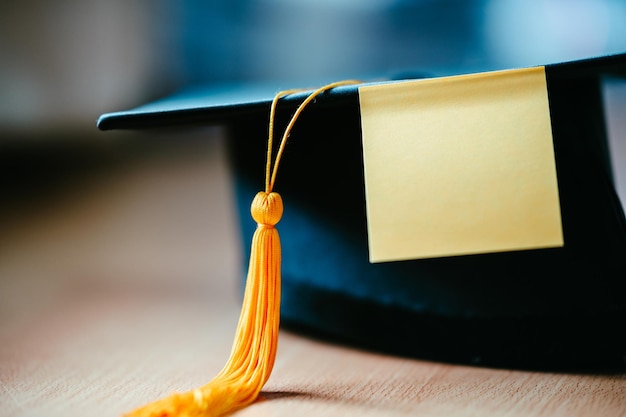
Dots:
{"x": 227, "y": 103}
{"x": 538, "y": 306}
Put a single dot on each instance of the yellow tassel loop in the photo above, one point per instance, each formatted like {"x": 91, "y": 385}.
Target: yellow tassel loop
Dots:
{"x": 256, "y": 340}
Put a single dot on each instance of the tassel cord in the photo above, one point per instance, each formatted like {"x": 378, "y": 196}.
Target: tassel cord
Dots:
{"x": 271, "y": 181}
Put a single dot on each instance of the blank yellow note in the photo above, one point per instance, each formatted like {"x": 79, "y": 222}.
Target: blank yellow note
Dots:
{"x": 459, "y": 165}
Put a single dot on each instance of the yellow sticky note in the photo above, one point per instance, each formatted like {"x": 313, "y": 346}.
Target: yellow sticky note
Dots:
{"x": 459, "y": 165}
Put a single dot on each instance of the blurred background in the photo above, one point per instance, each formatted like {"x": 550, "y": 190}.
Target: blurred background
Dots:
{"x": 94, "y": 208}
{"x": 65, "y": 62}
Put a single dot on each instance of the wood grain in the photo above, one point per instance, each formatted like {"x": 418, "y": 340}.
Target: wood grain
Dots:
{"x": 128, "y": 290}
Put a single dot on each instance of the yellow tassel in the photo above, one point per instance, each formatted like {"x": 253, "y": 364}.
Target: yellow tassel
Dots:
{"x": 252, "y": 356}
{"x": 256, "y": 340}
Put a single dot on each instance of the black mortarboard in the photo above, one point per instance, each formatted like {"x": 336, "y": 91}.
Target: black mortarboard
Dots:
{"x": 556, "y": 302}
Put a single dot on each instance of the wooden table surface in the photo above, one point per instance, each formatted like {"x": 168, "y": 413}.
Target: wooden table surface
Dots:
{"x": 126, "y": 287}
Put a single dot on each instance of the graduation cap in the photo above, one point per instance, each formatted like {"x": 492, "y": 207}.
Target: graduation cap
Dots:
{"x": 470, "y": 218}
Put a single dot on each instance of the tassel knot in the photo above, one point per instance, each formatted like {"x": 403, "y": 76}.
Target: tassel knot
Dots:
{"x": 267, "y": 208}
